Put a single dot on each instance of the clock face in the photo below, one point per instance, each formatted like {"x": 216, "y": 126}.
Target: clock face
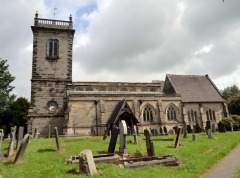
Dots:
{"x": 52, "y": 106}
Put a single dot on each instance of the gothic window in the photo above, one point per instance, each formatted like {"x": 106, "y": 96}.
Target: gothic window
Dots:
{"x": 52, "y": 48}
{"x": 211, "y": 115}
{"x": 171, "y": 113}
{"x": 192, "y": 116}
{"x": 148, "y": 114}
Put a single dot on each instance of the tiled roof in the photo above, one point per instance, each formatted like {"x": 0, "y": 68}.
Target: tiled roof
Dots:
{"x": 195, "y": 88}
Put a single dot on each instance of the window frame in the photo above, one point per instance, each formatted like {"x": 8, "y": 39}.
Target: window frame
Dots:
{"x": 52, "y": 49}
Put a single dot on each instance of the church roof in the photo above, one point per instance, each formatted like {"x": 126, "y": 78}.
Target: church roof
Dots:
{"x": 195, "y": 88}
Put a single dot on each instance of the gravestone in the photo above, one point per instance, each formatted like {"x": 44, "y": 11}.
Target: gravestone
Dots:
{"x": 165, "y": 130}
{"x": 22, "y": 148}
{"x": 185, "y": 132}
{"x": 1, "y": 140}
{"x": 35, "y": 133}
{"x": 156, "y": 132}
{"x": 122, "y": 133}
{"x": 86, "y": 163}
{"x": 209, "y": 133}
{"x": 193, "y": 134}
{"x": 149, "y": 143}
{"x": 49, "y": 131}
{"x": 135, "y": 134}
{"x": 161, "y": 131}
{"x": 20, "y": 135}
{"x": 177, "y": 140}
{"x": 12, "y": 141}
{"x": 113, "y": 140}
{"x": 57, "y": 138}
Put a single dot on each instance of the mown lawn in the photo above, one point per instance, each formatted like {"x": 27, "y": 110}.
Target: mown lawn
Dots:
{"x": 41, "y": 161}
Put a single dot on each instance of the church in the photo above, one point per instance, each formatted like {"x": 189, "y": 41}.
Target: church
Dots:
{"x": 90, "y": 108}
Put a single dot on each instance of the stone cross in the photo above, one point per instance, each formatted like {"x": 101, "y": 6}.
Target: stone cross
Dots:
{"x": 177, "y": 140}
{"x": 20, "y": 135}
{"x": 22, "y": 148}
{"x": 12, "y": 141}
{"x": 149, "y": 143}
{"x": 122, "y": 134}
{"x": 113, "y": 140}
{"x": 1, "y": 140}
{"x": 57, "y": 138}
{"x": 86, "y": 163}
{"x": 135, "y": 134}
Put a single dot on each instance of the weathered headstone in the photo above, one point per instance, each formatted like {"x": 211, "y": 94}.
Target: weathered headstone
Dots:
{"x": 122, "y": 134}
{"x": 177, "y": 140}
{"x": 149, "y": 143}
{"x": 12, "y": 141}
{"x": 209, "y": 133}
{"x": 86, "y": 163}
{"x": 161, "y": 131}
{"x": 113, "y": 140}
{"x": 49, "y": 131}
{"x": 36, "y": 133}
{"x": 135, "y": 134}
{"x": 193, "y": 134}
{"x": 165, "y": 130}
{"x": 57, "y": 138}
{"x": 185, "y": 132}
{"x": 20, "y": 135}
{"x": 1, "y": 140}
{"x": 22, "y": 148}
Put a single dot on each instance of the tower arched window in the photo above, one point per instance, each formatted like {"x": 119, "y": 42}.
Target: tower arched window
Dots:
{"x": 148, "y": 114}
{"x": 52, "y": 48}
{"x": 171, "y": 113}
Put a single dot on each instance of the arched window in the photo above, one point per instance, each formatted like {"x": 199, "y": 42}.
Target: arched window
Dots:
{"x": 148, "y": 114}
{"x": 192, "y": 116}
{"x": 171, "y": 113}
{"x": 52, "y": 48}
{"x": 211, "y": 115}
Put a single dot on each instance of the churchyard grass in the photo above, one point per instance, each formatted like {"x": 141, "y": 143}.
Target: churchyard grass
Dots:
{"x": 42, "y": 161}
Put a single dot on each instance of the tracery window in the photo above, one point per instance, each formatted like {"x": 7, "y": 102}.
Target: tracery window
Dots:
{"x": 53, "y": 48}
{"x": 171, "y": 113}
{"x": 148, "y": 114}
{"x": 211, "y": 115}
{"x": 192, "y": 116}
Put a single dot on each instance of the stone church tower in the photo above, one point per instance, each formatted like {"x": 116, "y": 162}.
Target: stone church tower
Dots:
{"x": 51, "y": 72}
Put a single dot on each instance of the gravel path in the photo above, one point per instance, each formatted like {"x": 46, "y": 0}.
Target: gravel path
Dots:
{"x": 227, "y": 167}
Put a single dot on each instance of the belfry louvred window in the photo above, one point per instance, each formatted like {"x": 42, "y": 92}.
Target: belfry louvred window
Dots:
{"x": 53, "y": 48}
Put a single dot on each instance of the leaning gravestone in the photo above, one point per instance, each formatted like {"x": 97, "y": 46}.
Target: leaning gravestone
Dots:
{"x": 135, "y": 134}
{"x": 113, "y": 140}
{"x": 57, "y": 138}
{"x": 12, "y": 141}
{"x": 177, "y": 140}
{"x": 22, "y": 148}
{"x": 20, "y": 135}
{"x": 86, "y": 163}
{"x": 1, "y": 140}
{"x": 122, "y": 133}
{"x": 149, "y": 143}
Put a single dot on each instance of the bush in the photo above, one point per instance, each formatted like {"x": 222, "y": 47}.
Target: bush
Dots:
{"x": 231, "y": 122}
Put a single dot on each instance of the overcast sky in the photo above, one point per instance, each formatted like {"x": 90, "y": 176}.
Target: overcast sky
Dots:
{"x": 130, "y": 40}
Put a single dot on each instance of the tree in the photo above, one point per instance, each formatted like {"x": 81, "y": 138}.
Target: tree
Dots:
{"x": 234, "y": 105}
{"x": 5, "y": 85}
{"x": 231, "y": 92}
